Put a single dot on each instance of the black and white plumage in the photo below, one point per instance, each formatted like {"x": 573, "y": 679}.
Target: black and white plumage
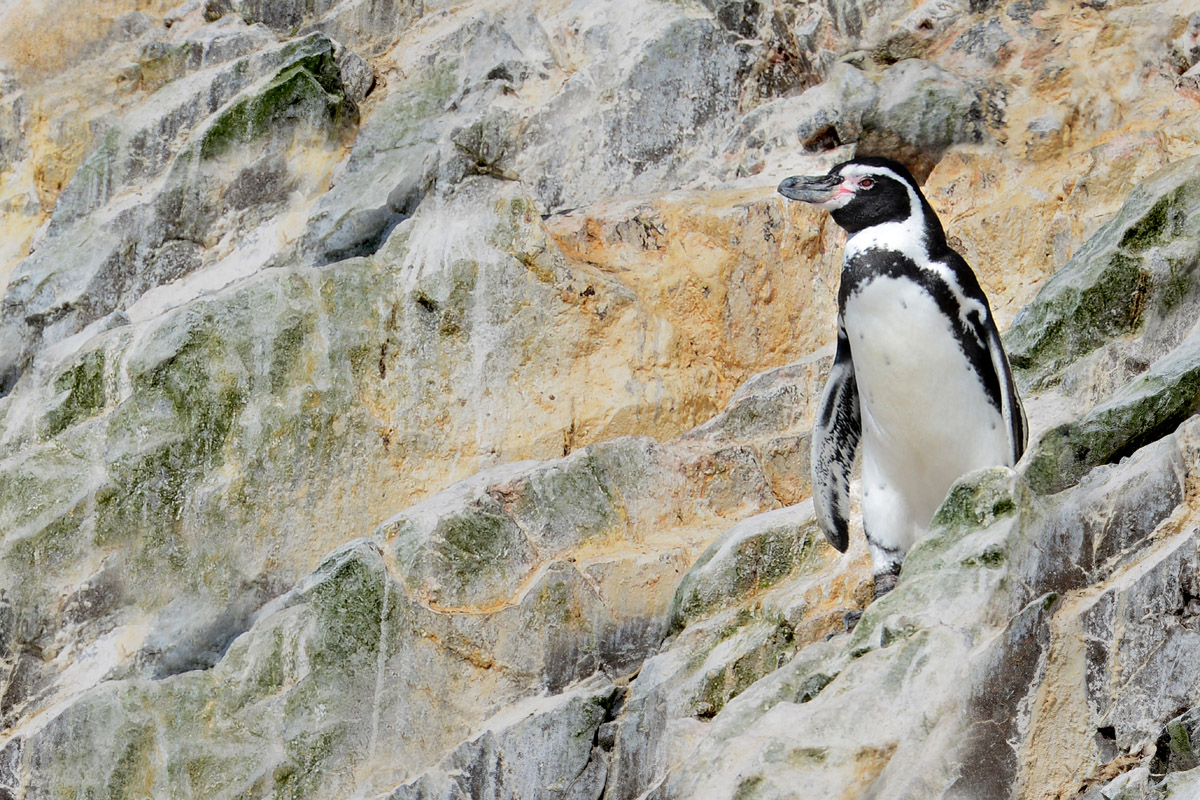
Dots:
{"x": 920, "y": 378}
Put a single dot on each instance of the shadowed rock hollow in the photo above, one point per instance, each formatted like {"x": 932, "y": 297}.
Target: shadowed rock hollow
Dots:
{"x": 412, "y": 400}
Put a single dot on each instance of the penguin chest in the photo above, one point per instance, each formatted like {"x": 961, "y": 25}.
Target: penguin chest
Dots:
{"x": 926, "y": 416}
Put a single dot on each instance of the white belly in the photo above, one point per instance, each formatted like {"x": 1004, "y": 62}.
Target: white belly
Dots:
{"x": 926, "y": 419}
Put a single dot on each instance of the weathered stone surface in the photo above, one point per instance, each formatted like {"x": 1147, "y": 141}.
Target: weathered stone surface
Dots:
{"x": 1142, "y": 411}
{"x": 534, "y": 751}
{"x": 545, "y": 245}
{"x": 914, "y": 110}
{"x": 13, "y": 122}
{"x": 369, "y": 24}
{"x": 1139, "y": 271}
{"x": 922, "y": 110}
{"x": 952, "y": 586}
{"x": 753, "y": 556}
{"x": 133, "y": 246}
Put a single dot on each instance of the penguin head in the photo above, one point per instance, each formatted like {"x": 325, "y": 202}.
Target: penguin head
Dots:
{"x": 864, "y": 192}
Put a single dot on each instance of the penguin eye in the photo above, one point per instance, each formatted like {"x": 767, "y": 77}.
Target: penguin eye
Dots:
{"x": 866, "y": 183}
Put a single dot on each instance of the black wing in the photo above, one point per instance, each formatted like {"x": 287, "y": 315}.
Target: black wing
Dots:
{"x": 1010, "y": 402}
{"x": 982, "y": 345}
{"x": 835, "y": 440}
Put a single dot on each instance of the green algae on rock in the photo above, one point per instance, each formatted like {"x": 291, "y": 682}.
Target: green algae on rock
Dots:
{"x": 1144, "y": 410}
{"x": 1109, "y": 287}
{"x": 307, "y": 91}
{"x": 751, "y": 557}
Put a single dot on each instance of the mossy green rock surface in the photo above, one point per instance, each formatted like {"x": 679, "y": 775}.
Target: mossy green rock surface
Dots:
{"x": 1139, "y": 265}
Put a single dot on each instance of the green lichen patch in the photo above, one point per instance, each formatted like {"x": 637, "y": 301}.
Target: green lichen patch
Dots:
{"x": 470, "y": 555}
{"x": 751, "y": 558}
{"x": 476, "y": 548}
{"x": 148, "y": 490}
{"x": 104, "y": 746}
{"x": 349, "y": 604}
{"x": 991, "y": 558}
{"x": 307, "y": 91}
{"x": 355, "y": 290}
{"x": 748, "y": 788}
{"x": 1150, "y": 230}
{"x": 1169, "y": 218}
{"x": 61, "y": 542}
{"x": 305, "y": 773}
{"x": 81, "y": 393}
{"x": 1179, "y": 282}
{"x": 557, "y": 603}
{"x": 1071, "y": 319}
{"x": 162, "y": 62}
{"x": 133, "y": 775}
{"x": 287, "y": 349}
{"x": 767, "y": 644}
{"x": 569, "y": 501}
{"x": 175, "y": 429}
{"x": 1178, "y": 747}
{"x": 1109, "y": 288}
{"x": 1143, "y": 411}
{"x": 807, "y": 756}
{"x": 977, "y": 501}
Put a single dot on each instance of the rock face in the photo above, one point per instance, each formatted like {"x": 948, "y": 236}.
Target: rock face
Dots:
{"x": 412, "y": 400}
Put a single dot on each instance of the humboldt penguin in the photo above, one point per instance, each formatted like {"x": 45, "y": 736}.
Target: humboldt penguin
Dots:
{"x": 920, "y": 379}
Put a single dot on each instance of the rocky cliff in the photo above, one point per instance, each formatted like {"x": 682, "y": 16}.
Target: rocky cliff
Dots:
{"x": 411, "y": 399}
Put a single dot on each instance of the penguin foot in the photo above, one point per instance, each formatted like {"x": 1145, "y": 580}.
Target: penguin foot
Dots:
{"x": 885, "y": 582}
{"x": 849, "y": 621}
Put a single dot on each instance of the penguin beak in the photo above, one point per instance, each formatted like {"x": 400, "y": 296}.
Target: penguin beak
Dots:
{"x": 810, "y": 188}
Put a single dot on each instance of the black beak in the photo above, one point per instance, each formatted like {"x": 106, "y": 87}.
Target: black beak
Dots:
{"x": 810, "y": 188}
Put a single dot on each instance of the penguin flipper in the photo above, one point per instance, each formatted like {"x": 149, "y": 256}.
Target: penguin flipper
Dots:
{"x": 835, "y": 439}
{"x": 1010, "y": 402}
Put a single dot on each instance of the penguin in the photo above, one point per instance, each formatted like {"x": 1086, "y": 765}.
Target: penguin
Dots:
{"x": 920, "y": 380}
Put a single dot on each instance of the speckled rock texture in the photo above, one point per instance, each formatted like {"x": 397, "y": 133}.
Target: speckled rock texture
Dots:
{"x": 411, "y": 401}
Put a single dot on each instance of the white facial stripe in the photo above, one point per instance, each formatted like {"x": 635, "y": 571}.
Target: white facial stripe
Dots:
{"x": 907, "y": 237}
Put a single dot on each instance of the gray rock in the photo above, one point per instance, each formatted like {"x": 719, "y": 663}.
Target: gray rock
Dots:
{"x": 160, "y": 62}
{"x": 1185, "y": 49}
{"x": 754, "y": 555}
{"x": 825, "y": 117}
{"x": 196, "y": 416}
{"x": 1181, "y": 784}
{"x": 1142, "y": 642}
{"x": 922, "y": 110}
{"x": 638, "y": 128}
{"x": 357, "y": 74}
{"x": 990, "y": 555}
{"x": 370, "y": 25}
{"x": 1138, "y": 270}
{"x": 1142, "y": 411}
{"x": 542, "y": 748}
{"x": 913, "y": 111}
{"x": 13, "y": 116}
{"x": 1178, "y": 749}
{"x": 986, "y": 42}
{"x": 1109, "y": 515}
{"x": 94, "y": 262}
